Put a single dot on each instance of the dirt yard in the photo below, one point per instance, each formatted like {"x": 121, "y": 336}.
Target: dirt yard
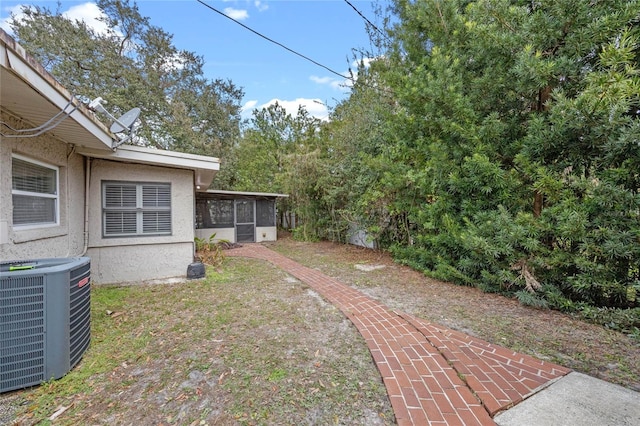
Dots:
{"x": 252, "y": 345}
{"x": 546, "y": 334}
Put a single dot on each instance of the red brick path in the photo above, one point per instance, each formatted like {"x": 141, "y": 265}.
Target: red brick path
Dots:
{"x": 433, "y": 375}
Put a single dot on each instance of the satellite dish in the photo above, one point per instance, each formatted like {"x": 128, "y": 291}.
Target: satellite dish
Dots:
{"x": 126, "y": 120}
{"x": 119, "y": 125}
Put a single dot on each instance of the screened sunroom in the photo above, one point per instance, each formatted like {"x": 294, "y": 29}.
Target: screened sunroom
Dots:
{"x": 238, "y": 217}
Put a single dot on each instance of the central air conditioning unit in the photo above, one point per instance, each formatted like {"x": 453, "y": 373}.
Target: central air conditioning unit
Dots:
{"x": 45, "y": 319}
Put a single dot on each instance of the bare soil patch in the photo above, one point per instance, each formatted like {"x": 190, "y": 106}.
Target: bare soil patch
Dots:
{"x": 545, "y": 334}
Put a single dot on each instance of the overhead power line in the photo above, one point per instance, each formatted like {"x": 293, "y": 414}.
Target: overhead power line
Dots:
{"x": 346, "y": 77}
{"x": 364, "y": 17}
{"x": 276, "y": 43}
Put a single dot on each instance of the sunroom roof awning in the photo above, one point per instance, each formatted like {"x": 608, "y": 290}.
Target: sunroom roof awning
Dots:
{"x": 245, "y": 194}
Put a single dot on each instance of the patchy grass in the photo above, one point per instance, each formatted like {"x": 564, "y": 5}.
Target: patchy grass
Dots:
{"x": 297, "y": 360}
{"x": 248, "y": 345}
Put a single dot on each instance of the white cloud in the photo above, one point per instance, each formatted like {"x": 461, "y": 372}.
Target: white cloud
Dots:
{"x": 334, "y": 83}
{"x": 89, "y": 13}
{"x": 366, "y": 61}
{"x": 346, "y": 83}
{"x": 16, "y": 11}
{"x": 249, "y": 105}
{"x": 237, "y": 14}
{"x": 321, "y": 80}
{"x": 315, "y": 107}
{"x": 260, "y": 6}
{"x": 174, "y": 62}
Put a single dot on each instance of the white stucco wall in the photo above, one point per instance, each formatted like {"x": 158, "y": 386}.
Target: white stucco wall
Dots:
{"x": 266, "y": 233}
{"x": 63, "y": 240}
{"x": 263, "y": 233}
{"x": 140, "y": 263}
{"x": 228, "y": 234}
{"x": 136, "y": 259}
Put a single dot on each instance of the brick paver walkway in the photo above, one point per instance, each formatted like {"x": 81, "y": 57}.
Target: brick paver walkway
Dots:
{"x": 433, "y": 375}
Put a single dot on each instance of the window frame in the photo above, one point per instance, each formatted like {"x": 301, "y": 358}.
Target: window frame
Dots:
{"x": 140, "y": 209}
{"x": 55, "y": 196}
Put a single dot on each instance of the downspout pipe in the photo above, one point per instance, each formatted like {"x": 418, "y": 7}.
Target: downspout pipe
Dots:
{"x": 87, "y": 186}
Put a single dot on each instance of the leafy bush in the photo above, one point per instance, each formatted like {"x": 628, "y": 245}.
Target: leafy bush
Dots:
{"x": 624, "y": 320}
{"x": 209, "y": 251}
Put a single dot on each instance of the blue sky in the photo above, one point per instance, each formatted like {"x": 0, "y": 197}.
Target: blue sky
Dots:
{"x": 324, "y": 30}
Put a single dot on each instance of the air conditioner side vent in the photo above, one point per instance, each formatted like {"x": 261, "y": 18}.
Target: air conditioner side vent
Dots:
{"x": 44, "y": 319}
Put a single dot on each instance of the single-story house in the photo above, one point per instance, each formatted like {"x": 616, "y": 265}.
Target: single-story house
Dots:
{"x": 66, "y": 190}
{"x": 237, "y": 217}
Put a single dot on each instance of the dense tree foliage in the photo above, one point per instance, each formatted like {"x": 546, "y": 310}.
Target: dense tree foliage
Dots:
{"x": 495, "y": 143}
{"x": 522, "y": 117}
{"x": 273, "y": 155}
{"x": 135, "y": 64}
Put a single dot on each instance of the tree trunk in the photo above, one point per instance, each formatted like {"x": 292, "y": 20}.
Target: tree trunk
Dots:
{"x": 537, "y": 204}
{"x": 541, "y": 105}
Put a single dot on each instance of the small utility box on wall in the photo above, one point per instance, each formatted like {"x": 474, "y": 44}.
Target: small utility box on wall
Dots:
{"x": 238, "y": 217}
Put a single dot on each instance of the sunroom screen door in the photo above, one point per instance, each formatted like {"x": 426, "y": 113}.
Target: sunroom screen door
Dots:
{"x": 245, "y": 221}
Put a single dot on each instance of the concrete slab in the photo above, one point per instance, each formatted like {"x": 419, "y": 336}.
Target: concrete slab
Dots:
{"x": 579, "y": 400}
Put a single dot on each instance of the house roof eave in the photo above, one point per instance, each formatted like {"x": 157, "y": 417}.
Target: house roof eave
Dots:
{"x": 29, "y": 92}
{"x": 205, "y": 167}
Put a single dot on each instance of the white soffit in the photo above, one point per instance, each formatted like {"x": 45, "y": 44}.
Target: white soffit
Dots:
{"x": 205, "y": 167}
{"x": 28, "y": 91}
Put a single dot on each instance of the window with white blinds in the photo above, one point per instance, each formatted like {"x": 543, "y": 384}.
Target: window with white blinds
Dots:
{"x": 34, "y": 191}
{"x": 136, "y": 209}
